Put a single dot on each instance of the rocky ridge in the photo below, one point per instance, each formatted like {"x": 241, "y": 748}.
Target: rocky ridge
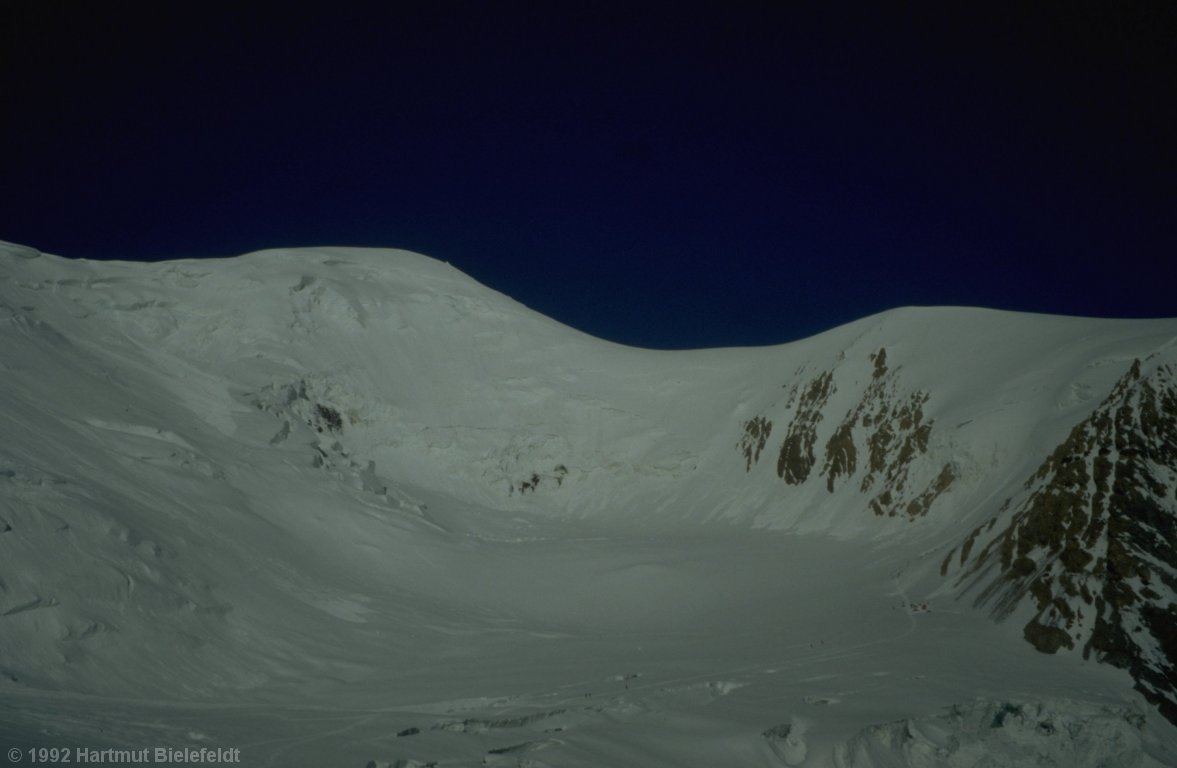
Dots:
{"x": 880, "y": 445}
{"x": 1086, "y": 551}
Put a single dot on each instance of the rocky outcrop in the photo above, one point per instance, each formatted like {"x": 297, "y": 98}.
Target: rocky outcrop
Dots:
{"x": 756, "y": 433}
{"x": 880, "y": 444}
{"x": 1090, "y": 544}
{"x": 796, "y": 457}
{"x": 895, "y": 434}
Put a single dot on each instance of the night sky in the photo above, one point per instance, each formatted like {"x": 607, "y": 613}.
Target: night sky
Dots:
{"x": 679, "y": 175}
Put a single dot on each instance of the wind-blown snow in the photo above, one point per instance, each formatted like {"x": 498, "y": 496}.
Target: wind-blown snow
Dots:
{"x": 333, "y": 506}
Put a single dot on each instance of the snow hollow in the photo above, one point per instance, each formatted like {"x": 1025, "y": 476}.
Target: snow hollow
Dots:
{"x": 346, "y": 507}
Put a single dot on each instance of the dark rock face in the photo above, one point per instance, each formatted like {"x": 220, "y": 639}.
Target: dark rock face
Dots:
{"x": 1088, "y": 544}
{"x": 1092, "y": 539}
{"x": 796, "y": 457}
{"x": 880, "y": 443}
{"x": 756, "y": 433}
{"x": 895, "y": 435}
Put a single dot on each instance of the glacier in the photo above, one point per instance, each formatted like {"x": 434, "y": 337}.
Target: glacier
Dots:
{"x": 337, "y": 506}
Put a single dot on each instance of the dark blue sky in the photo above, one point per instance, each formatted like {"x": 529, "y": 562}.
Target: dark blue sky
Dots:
{"x": 708, "y": 175}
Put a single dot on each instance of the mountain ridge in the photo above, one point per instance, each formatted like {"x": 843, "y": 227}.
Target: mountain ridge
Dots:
{"x": 390, "y": 384}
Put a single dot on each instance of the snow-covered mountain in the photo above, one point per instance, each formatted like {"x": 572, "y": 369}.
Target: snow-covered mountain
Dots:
{"x": 341, "y": 506}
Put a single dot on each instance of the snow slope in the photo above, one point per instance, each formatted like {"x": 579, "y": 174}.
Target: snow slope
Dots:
{"x": 341, "y": 506}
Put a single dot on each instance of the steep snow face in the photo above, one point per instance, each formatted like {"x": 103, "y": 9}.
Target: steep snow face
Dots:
{"x": 361, "y": 482}
{"x": 433, "y": 376}
{"x": 436, "y": 378}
